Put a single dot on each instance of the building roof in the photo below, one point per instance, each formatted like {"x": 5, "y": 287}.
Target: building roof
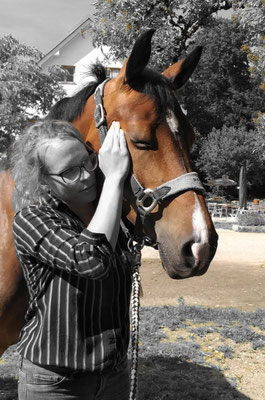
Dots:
{"x": 83, "y": 27}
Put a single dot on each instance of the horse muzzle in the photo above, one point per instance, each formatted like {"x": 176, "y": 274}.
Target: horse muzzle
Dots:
{"x": 187, "y": 259}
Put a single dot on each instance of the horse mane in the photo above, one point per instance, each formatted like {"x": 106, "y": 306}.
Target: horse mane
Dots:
{"x": 150, "y": 83}
{"x": 69, "y": 108}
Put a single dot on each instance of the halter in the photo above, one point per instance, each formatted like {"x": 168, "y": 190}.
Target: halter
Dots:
{"x": 146, "y": 199}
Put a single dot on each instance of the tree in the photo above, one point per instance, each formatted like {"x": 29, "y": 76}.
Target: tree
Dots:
{"x": 224, "y": 151}
{"x": 25, "y": 91}
{"x": 119, "y": 22}
{"x": 222, "y": 90}
{"x": 260, "y": 142}
{"x": 251, "y": 16}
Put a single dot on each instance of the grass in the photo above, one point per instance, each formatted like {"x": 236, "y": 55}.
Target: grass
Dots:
{"x": 189, "y": 353}
{"x": 251, "y": 219}
{"x": 192, "y": 352}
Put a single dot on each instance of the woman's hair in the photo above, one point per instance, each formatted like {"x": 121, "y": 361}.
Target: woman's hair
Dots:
{"x": 27, "y": 168}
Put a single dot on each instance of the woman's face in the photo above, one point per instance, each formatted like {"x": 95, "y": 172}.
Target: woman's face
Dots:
{"x": 60, "y": 155}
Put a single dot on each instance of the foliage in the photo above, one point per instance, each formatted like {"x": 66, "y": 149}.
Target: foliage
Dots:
{"x": 25, "y": 91}
{"x": 118, "y": 23}
{"x": 251, "y": 219}
{"x": 260, "y": 143}
{"x": 224, "y": 151}
{"x": 251, "y": 15}
{"x": 222, "y": 90}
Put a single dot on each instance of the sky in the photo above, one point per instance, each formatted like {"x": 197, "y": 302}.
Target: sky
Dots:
{"x": 42, "y": 23}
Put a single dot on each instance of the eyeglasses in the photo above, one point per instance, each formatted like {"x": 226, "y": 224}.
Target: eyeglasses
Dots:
{"x": 73, "y": 174}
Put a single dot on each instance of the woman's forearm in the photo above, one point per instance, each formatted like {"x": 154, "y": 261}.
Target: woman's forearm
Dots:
{"x": 108, "y": 213}
{"x": 114, "y": 163}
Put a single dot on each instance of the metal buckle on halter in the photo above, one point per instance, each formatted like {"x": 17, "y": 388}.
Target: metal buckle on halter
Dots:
{"x": 148, "y": 194}
{"x": 99, "y": 115}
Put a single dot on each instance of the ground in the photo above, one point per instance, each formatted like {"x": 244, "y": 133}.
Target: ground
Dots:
{"x": 236, "y": 276}
{"x": 222, "y": 351}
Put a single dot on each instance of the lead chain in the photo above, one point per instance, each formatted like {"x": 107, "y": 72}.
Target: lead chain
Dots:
{"x": 135, "y": 305}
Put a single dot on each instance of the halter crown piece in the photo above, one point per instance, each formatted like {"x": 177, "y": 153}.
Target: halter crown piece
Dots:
{"x": 146, "y": 200}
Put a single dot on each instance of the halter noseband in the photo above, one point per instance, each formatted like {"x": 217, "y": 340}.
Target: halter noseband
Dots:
{"x": 146, "y": 199}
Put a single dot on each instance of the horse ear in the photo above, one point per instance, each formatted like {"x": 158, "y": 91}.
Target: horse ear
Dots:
{"x": 139, "y": 56}
{"x": 180, "y": 72}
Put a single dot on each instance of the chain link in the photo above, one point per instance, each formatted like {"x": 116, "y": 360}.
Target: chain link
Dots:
{"x": 135, "y": 305}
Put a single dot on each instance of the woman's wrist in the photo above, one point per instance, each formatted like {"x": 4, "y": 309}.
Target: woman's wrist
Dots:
{"x": 115, "y": 180}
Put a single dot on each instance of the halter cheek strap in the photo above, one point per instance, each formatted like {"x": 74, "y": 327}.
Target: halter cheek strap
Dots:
{"x": 146, "y": 198}
{"x": 99, "y": 113}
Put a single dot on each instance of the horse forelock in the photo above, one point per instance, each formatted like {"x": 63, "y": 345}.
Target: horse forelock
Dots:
{"x": 156, "y": 86}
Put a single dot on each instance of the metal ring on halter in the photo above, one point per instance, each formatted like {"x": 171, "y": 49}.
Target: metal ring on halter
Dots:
{"x": 134, "y": 247}
{"x": 148, "y": 194}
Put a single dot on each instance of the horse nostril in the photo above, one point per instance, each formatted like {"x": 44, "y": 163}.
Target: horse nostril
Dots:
{"x": 187, "y": 253}
{"x": 187, "y": 249}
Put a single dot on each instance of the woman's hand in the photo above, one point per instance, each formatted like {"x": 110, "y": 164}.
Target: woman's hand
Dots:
{"x": 114, "y": 157}
{"x": 114, "y": 162}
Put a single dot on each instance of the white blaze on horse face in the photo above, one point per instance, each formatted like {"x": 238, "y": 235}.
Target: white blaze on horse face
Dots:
{"x": 172, "y": 122}
{"x": 200, "y": 247}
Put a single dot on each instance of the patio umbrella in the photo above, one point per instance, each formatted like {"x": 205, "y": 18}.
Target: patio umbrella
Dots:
{"x": 224, "y": 181}
{"x": 242, "y": 189}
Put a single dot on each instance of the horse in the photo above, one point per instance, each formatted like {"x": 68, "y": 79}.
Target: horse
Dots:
{"x": 159, "y": 137}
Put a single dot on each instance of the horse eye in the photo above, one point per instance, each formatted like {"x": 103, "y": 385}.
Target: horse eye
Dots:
{"x": 141, "y": 144}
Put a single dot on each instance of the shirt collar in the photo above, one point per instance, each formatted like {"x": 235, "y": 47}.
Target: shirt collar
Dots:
{"x": 49, "y": 200}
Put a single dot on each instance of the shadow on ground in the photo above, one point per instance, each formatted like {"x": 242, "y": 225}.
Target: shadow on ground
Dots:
{"x": 169, "y": 379}
{"x": 8, "y": 389}
{"x": 160, "y": 378}
{"x": 8, "y": 374}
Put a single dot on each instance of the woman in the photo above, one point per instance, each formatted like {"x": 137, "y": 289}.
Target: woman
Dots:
{"x": 74, "y": 259}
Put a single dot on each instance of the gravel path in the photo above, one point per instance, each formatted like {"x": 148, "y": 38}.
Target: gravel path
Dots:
{"x": 236, "y": 276}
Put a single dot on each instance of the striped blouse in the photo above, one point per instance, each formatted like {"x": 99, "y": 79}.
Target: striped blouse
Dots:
{"x": 78, "y": 315}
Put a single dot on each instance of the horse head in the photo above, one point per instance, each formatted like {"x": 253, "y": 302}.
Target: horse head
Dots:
{"x": 159, "y": 138}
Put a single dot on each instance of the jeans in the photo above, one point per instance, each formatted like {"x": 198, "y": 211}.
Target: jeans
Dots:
{"x": 38, "y": 383}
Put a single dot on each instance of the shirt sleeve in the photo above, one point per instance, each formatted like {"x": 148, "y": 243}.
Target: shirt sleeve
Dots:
{"x": 41, "y": 234}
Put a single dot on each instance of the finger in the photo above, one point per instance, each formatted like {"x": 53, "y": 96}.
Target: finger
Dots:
{"x": 116, "y": 135}
{"x": 123, "y": 143}
{"x": 108, "y": 142}
{"x": 114, "y": 126}
{"x": 112, "y": 130}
